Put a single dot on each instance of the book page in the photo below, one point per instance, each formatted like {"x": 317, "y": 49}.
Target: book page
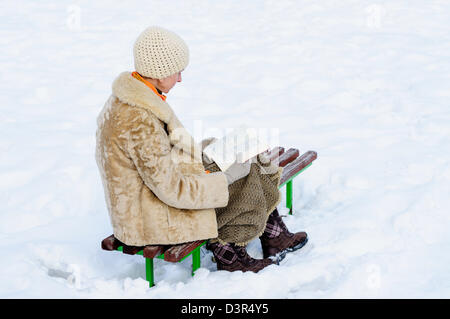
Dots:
{"x": 239, "y": 145}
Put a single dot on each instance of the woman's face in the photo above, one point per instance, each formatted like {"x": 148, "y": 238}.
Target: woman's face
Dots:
{"x": 166, "y": 84}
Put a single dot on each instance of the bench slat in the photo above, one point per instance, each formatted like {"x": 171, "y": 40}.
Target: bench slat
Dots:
{"x": 274, "y": 153}
{"x": 111, "y": 243}
{"x": 288, "y": 156}
{"x": 178, "y": 252}
{"x": 153, "y": 251}
{"x": 131, "y": 250}
{"x": 171, "y": 253}
{"x": 297, "y": 165}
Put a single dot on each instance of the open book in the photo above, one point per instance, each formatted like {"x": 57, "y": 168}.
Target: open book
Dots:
{"x": 240, "y": 145}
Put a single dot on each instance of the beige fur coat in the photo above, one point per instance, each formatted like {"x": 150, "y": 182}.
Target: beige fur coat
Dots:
{"x": 156, "y": 188}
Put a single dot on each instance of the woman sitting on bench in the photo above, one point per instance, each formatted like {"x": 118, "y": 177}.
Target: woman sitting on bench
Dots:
{"x": 161, "y": 189}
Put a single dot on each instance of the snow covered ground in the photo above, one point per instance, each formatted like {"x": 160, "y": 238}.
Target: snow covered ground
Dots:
{"x": 366, "y": 84}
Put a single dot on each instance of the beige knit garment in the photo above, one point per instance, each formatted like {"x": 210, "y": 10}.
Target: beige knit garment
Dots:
{"x": 159, "y": 53}
{"x": 252, "y": 199}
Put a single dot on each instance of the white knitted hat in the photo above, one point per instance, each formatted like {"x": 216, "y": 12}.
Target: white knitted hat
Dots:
{"x": 159, "y": 53}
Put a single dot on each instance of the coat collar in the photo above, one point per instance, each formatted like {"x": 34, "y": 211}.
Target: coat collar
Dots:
{"x": 135, "y": 93}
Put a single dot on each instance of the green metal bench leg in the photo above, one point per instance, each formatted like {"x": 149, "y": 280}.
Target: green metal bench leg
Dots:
{"x": 195, "y": 260}
{"x": 289, "y": 196}
{"x": 149, "y": 271}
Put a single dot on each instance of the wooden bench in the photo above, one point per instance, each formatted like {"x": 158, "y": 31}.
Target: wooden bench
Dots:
{"x": 293, "y": 165}
{"x": 171, "y": 253}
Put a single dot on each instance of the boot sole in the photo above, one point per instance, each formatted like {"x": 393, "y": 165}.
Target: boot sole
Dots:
{"x": 282, "y": 254}
{"x": 298, "y": 246}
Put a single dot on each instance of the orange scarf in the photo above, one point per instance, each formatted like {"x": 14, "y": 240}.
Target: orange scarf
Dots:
{"x": 140, "y": 78}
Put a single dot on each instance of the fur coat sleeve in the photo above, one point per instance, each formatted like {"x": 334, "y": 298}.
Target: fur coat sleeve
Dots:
{"x": 156, "y": 162}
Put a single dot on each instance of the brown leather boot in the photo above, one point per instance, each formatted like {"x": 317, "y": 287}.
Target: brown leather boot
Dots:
{"x": 234, "y": 258}
{"x": 277, "y": 240}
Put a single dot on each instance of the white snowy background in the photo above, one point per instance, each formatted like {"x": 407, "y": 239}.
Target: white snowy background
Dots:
{"x": 366, "y": 84}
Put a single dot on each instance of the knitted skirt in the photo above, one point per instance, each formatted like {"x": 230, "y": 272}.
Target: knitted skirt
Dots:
{"x": 251, "y": 201}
